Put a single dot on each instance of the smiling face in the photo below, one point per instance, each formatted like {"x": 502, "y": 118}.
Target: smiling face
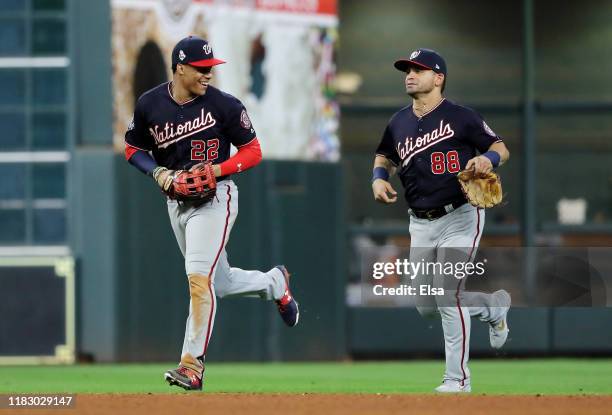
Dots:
{"x": 194, "y": 79}
{"x": 420, "y": 81}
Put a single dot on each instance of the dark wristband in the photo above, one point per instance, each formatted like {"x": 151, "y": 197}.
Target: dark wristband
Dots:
{"x": 380, "y": 173}
{"x": 493, "y": 156}
{"x": 143, "y": 162}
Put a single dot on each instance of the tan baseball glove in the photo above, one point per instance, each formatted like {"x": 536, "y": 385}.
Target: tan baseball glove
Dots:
{"x": 484, "y": 191}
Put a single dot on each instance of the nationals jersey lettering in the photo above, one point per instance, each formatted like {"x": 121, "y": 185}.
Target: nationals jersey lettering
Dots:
{"x": 431, "y": 149}
{"x": 166, "y": 136}
{"x": 413, "y": 146}
{"x": 183, "y": 134}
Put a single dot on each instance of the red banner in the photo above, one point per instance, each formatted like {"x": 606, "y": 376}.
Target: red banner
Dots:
{"x": 299, "y": 6}
{"x": 320, "y": 7}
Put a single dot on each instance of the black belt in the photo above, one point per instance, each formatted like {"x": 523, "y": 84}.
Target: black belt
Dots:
{"x": 438, "y": 212}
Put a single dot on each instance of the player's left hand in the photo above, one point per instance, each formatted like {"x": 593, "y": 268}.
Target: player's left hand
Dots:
{"x": 481, "y": 165}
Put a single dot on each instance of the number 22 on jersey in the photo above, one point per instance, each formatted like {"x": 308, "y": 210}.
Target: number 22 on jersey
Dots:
{"x": 442, "y": 163}
{"x": 205, "y": 150}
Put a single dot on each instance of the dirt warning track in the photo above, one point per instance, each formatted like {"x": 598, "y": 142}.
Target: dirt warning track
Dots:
{"x": 331, "y": 404}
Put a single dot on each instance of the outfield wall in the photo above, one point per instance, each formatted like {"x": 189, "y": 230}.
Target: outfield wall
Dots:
{"x": 533, "y": 331}
{"x": 133, "y": 296}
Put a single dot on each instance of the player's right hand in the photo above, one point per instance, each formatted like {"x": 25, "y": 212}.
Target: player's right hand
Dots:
{"x": 163, "y": 177}
{"x": 383, "y": 191}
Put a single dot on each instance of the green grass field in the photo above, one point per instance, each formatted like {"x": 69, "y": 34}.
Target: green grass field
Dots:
{"x": 532, "y": 376}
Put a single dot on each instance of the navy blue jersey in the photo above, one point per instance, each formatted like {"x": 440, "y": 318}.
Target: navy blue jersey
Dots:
{"x": 181, "y": 135}
{"x": 430, "y": 150}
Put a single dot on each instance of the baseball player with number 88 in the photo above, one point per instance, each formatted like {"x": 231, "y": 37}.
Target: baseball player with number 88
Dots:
{"x": 428, "y": 143}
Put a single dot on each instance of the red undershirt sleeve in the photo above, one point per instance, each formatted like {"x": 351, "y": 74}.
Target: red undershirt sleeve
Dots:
{"x": 129, "y": 151}
{"x": 248, "y": 155}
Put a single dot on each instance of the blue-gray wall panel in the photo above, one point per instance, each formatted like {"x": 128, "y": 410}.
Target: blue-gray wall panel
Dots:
{"x": 92, "y": 61}
{"x": 94, "y": 248}
{"x": 582, "y": 330}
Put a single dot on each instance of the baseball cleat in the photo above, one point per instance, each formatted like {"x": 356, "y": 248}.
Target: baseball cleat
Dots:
{"x": 288, "y": 308}
{"x": 184, "y": 377}
{"x": 498, "y": 331}
{"x": 453, "y": 386}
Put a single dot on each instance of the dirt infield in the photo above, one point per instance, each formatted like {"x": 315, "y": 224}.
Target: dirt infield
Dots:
{"x": 297, "y": 404}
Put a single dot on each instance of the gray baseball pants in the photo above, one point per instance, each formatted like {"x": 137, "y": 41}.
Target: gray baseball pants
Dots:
{"x": 453, "y": 238}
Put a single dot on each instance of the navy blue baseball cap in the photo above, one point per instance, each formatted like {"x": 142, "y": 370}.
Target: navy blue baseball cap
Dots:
{"x": 194, "y": 51}
{"x": 422, "y": 58}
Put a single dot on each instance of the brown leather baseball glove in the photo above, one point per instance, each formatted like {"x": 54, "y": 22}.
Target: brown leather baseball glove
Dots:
{"x": 197, "y": 184}
{"x": 484, "y": 191}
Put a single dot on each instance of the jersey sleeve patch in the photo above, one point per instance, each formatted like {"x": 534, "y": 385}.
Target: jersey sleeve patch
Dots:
{"x": 488, "y": 129}
{"x": 245, "y": 121}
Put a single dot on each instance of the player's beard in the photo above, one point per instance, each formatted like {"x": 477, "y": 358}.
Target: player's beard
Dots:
{"x": 421, "y": 90}
{"x": 420, "y": 93}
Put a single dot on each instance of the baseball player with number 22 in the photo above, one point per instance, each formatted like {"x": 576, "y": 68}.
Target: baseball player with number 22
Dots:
{"x": 181, "y": 136}
{"x": 428, "y": 143}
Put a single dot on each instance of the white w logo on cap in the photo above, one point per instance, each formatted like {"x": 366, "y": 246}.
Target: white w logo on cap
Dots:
{"x": 207, "y": 49}
{"x": 415, "y": 54}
